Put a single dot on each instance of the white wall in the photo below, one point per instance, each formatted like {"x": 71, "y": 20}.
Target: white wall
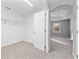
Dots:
{"x": 11, "y": 32}
{"x": 15, "y": 27}
{"x": 28, "y": 28}
{"x": 12, "y": 28}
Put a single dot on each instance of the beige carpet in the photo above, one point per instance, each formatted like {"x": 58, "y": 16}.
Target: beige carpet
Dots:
{"x": 24, "y": 50}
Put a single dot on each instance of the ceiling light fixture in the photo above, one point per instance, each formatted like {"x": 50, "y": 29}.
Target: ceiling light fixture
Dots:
{"x": 28, "y": 3}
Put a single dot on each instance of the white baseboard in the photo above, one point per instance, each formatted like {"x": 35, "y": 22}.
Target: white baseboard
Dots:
{"x": 4, "y": 45}
{"x": 61, "y": 42}
{"x": 74, "y": 56}
{"x": 28, "y": 42}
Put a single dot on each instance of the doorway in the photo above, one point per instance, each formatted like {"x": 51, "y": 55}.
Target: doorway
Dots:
{"x": 60, "y": 31}
{"x": 60, "y": 38}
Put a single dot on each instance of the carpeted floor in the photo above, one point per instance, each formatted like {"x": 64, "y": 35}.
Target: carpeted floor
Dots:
{"x": 24, "y": 50}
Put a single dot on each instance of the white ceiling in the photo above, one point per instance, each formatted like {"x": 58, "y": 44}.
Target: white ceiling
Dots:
{"x": 22, "y": 8}
{"x": 54, "y": 3}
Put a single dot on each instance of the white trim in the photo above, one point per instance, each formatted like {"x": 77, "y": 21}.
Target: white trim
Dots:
{"x": 10, "y": 43}
{"x": 15, "y": 42}
{"x": 74, "y": 56}
{"x": 61, "y": 42}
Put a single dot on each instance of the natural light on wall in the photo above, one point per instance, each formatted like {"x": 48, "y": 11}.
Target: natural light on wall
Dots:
{"x": 29, "y": 3}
